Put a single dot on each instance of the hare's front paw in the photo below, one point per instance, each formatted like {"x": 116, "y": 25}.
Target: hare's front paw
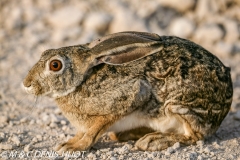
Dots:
{"x": 158, "y": 141}
{"x": 71, "y": 147}
{"x": 74, "y": 144}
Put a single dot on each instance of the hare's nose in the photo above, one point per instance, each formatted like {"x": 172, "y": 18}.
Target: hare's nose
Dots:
{"x": 27, "y": 82}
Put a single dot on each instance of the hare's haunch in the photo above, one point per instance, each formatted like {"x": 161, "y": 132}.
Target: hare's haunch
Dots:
{"x": 157, "y": 90}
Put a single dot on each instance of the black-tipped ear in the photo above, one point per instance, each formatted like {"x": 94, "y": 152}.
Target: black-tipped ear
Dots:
{"x": 120, "y": 48}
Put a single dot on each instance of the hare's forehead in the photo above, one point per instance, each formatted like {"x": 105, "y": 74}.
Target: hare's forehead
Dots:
{"x": 49, "y": 54}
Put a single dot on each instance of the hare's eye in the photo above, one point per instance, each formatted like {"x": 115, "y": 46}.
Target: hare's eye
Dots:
{"x": 55, "y": 65}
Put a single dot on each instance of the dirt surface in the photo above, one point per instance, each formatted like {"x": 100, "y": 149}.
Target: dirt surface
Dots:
{"x": 30, "y": 127}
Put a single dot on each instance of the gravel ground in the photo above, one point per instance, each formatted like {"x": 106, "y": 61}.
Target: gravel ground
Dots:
{"x": 30, "y": 127}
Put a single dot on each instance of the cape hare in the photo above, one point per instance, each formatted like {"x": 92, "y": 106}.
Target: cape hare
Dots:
{"x": 157, "y": 89}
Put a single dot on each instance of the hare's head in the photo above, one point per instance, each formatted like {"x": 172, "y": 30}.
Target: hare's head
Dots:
{"x": 60, "y": 71}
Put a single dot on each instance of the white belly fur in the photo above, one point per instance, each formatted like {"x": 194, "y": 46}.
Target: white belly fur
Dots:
{"x": 134, "y": 120}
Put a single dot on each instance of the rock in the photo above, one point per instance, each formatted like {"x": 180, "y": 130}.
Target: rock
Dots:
{"x": 53, "y": 125}
{"x": 3, "y": 119}
{"x": 62, "y": 135}
{"x": 16, "y": 140}
{"x": 46, "y": 120}
{"x": 34, "y": 140}
{"x": 179, "y": 5}
{"x": 181, "y": 27}
{"x": 200, "y": 157}
{"x": 232, "y": 31}
{"x": 206, "y": 150}
{"x": 23, "y": 120}
{"x": 176, "y": 145}
{"x": 97, "y": 22}
{"x": 208, "y": 33}
{"x": 61, "y": 35}
{"x": 39, "y": 137}
{"x": 31, "y": 14}
{"x": 28, "y": 148}
{"x": 169, "y": 151}
{"x": 63, "y": 122}
{"x": 32, "y": 122}
{"x": 2, "y": 135}
{"x": 57, "y": 111}
{"x": 236, "y": 48}
{"x": 104, "y": 156}
{"x": 65, "y": 17}
{"x": 237, "y": 115}
{"x": 223, "y": 49}
{"x": 110, "y": 153}
{"x": 200, "y": 143}
{"x": 113, "y": 158}
{"x": 6, "y": 146}
{"x": 124, "y": 150}
{"x": 192, "y": 155}
{"x": 203, "y": 9}
{"x": 91, "y": 156}
{"x": 123, "y": 19}
{"x": 14, "y": 20}
{"x": 64, "y": 128}
{"x": 54, "y": 119}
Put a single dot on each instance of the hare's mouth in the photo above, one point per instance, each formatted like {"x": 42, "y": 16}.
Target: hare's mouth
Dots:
{"x": 29, "y": 90}
{"x": 32, "y": 89}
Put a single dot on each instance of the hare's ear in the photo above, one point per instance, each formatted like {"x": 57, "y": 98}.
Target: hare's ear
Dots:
{"x": 120, "y": 48}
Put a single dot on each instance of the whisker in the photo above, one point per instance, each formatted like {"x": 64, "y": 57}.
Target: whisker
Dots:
{"x": 35, "y": 102}
{"x": 21, "y": 100}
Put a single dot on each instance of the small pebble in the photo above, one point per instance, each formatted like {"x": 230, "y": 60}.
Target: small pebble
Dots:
{"x": 28, "y": 148}
{"x": 54, "y": 119}
{"x": 91, "y": 156}
{"x": 6, "y": 146}
{"x": 3, "y": 119}
{"x": 10, "y": 123}
{"x": 2, "y": 135}
{"x": 57, "y": 111}
{"x": 200, "y": 143}
{"x": 53, "y": 125}
{"x": 110, "y": 153}
{"x": 34, "y": 140}
{"x": 63, "y": 122}
{"x": 64, "y": 128}
{"x": 16, "y": 140}
{"x": 105, "y": 150}
{"x": 192, "y": 155}
{"x": 169, "y": 151}
{"x": 62, "y": 135}
{"x": 200, "y": 157}
{"x": 32, "y": 122}
{"x": 206, "y": 150}
{"x": 113, "y": 158}
{"x": 176, "y": 145}
{"x": 237, "y": 115}
{"x": 104, "y": 156}
{"x": 23, "y": 120}
{"x": 39, "y": 137}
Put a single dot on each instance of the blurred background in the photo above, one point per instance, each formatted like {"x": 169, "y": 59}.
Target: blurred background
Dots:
{"x": 28, "y": 27}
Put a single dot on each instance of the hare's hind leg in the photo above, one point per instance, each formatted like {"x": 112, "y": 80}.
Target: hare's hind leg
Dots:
{"x": 158, "y": 141}
{"x": 133, "y": 134}
{"x": 169, "y": 129}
